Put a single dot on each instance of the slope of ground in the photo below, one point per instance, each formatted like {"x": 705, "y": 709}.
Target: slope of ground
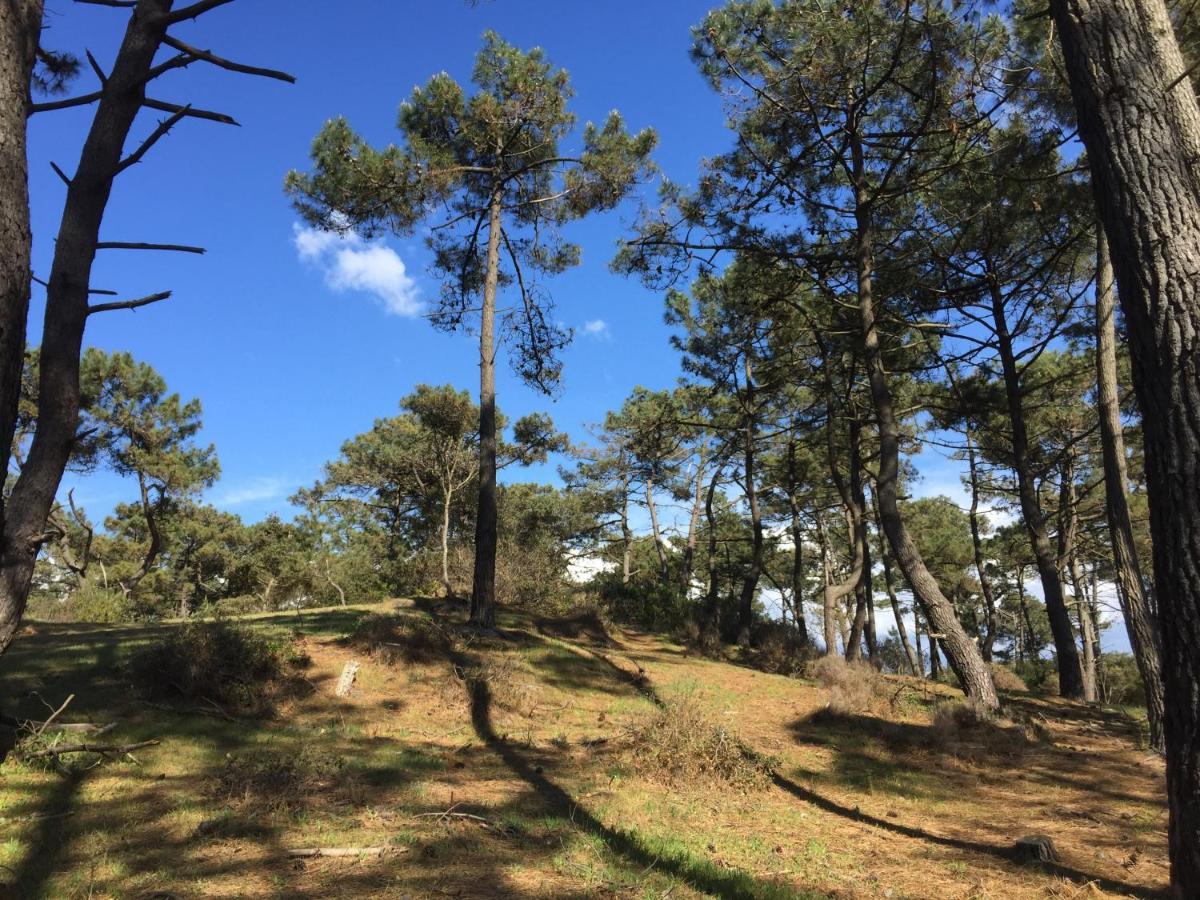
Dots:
{"x": 504, "y": 768}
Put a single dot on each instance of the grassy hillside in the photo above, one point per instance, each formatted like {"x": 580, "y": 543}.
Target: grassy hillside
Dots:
{"x": 558, "y": 761}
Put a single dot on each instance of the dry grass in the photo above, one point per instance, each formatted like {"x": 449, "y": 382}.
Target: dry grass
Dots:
{"x": 1006, "y": 679}
{"x": 274, "y": 781}
{"x": 681, "y": 744}
{"x": 852, "y": 687}
{"x": 394, "y": 638}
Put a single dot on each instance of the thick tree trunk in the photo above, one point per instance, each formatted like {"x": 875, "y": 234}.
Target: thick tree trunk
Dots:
{"x": 483, "y": 590}
{"x": 1070, "y": 670}
{"x": 919, "y": 669}
{"x": 985, "y": 583}
{"x": 1140, "y": 122}
{"x": 834, "y": 592}
{"x": 1131, "y": 589}
{"x": 973, "y": 673}
{"x": 32, "y": 496}
{"x": 711, "y": 627}
{"x": 895, "y": 602}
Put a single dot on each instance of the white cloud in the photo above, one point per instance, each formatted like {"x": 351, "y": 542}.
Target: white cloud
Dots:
{"x": 255, "y": 490}
{"x": 351, "y": 264}
{"x": 596, "y": 328}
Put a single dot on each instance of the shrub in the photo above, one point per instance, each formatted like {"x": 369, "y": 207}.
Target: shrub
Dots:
{"x": 779, "y": 649}
{"x": 584, "y": 621}
{"x": 1006, "y": 679}
{"x": 681, "y": 743}
{"x": 218, "y": 662}
{"x": 272, "y": 781}
{"x": 648, "y": 604}
{"x": 508, "y": 684}
{"x": 1120, "y": 681}
{"x": 96, "y": 603}
{"x": 853, "y": 687}
{"x": 394, "y": 638}
{"x": 1040, "y": 676}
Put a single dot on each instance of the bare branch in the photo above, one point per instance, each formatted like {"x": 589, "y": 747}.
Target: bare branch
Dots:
{"x": 163, "y": 127}
{"x": 133, "y": 245}
{"x": 119, "y": 4}
{"x": 60, "y": 173}
{"x": 96, "y": 67}
{"x": 191, "y": 111}
{"x": 191, "y": 12}
{"x": 128, "y": 304}
{"x": 81, "y": 100}
{"x": 210, "y": 57}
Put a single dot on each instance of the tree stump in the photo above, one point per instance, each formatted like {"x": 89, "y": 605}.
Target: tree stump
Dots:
{"x": 1035, "y": 848}
{"x": 346, "y": 681}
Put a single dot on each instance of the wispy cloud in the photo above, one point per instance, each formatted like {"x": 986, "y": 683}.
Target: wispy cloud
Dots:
{"x": 351, "y": 264}
{"x": 596, "y": 328}
{"x": 252, "y": 490}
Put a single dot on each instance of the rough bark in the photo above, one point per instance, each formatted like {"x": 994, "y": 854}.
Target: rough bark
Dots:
{"x": 1140, "y": 123}
{"x": 711, "y": 626}
{"x": 32, "y": 496}
{"x": 973, "y": 673}
{"x": 1068, "y": 557}
{"x": 483, "y": 589}
{"x": 1140, "y": 623}
{"x": 1070, "y": 669}
{"x": 798, "y": 568}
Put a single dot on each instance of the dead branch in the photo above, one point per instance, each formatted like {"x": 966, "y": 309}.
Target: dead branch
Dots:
{"x": 128, "y": 304}
{"x": 310, "y": 852}
{"x": 163, "y": 127}
{"x": 189, "y": 110}
{"x": 191, "y": 12}
{"x": 210, "y": 57}
{"x": 60, "y": 173}
{"x": 104, "y": 749}
{"x": 54, "y": 715}
{"x": 141, "y": 245}
{"x": 96, "y": 67}
{"x": 50, "y": 105}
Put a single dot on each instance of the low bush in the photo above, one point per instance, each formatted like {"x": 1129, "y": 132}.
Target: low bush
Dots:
{"x": 233, "y": 666}
{"x": 1006, "y": 679}
{"x": 780, "y": 649}
{"x": 681, "y": 743}
{"x": 509, "y": 686}
{"x": 853, "y": 687}
{"x": 1039, "y": 675}
{"x": 274, "y": 781}
{"x": 399, "y": 638}
{"x": 96, "y": 603}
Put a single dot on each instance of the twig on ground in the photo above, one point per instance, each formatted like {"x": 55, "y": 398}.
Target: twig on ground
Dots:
{"x": 90, "y": 748}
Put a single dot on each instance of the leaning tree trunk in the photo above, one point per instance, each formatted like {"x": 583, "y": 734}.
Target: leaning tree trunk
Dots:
{"x": 75, "y": 249}
{"x": 483, "y": 589}
{"x": 973, "y": 673}
{"x": 1140, "y": 123}
{"x": 1070, "y": 670}
{"x": 1131, "y": 589}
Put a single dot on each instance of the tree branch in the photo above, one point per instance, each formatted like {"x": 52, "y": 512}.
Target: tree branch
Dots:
{"x": 81, "y": 100}
{"x": 210, "y": 57}
{"x": 163, "y": 127}
{"x": 163, "y": 106}
{"x": 133, "y": 245}
{"x": 128, "y": 304}
{"x": 191, "y": 12}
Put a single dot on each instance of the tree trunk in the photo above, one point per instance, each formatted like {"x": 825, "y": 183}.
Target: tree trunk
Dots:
{"x": 864, "y": 610}
{"x": 1131, "y": 589}
{"x": 66, "y": 313}
{"x": 711, "y": 627}
{"x": 1068, "y": 557}
{"x": 448, "y": 589}
{"x": 895, "y": 602}
{"x": 834, "y": 592}
{"x": 658, "y": 544}
{"x": 1070, "y": 671}
{"x": 798, "y": 569}
{"x": 1140, "y": 122}
{"x": 754, "y": 570}
{"x": 626, "y": 535}
{"x": 985, "y": 583}
{"x": 973, "y": 673}
{"x": 689, "y": 548}
{"x": 919, "y": 669}
{"x": 483, "y": 591}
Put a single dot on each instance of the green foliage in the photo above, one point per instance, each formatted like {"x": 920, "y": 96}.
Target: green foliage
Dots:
{"x": 93, "y": 602}
{"x": 645, "y": 602}
{"x": 499, "y": 147}
{"x": 1120, "y": 681}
